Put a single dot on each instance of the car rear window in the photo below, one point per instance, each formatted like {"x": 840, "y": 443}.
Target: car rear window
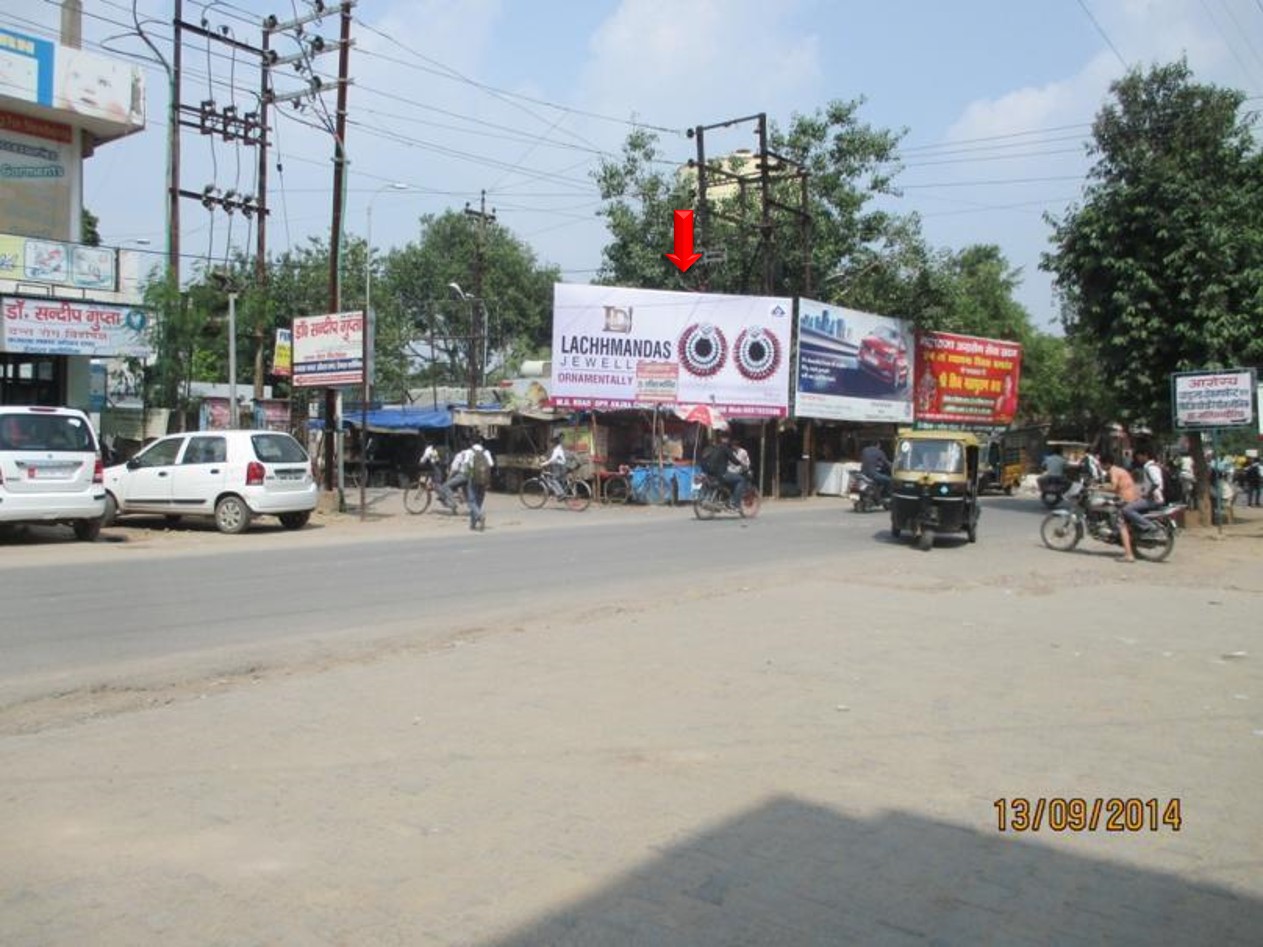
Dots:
{"x": 278, "y": 449}
{"x": 47, "y": 432}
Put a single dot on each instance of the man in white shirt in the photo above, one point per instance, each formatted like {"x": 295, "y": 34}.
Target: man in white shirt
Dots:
{"x": 555, "y": 468}
{"x": 479, "y": 464}
{"x": 458, "y": 477}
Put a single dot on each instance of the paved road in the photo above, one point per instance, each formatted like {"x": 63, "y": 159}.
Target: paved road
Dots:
{"x": 638, "y": 730}
{"x": 89, "y": 622}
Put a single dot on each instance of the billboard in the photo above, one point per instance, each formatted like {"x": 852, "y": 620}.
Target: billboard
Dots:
{"x": 72, "y": 327}
{"x": 1211, "y": 399}
{"x": 328, "y": 350}
{"x": 37, "y": 161}
{"x": 852, "y": 365}
{"x": 26, "y": 67}
{"x": 966, "y": 381}
{"x": 74, "y": 80}
{"x": 616, "y": 347}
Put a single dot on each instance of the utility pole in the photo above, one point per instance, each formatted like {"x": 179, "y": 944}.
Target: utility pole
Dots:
{"x": 769, "y": 169}
{"x": 261, "y": 235}
{"x": 478, "y": 319}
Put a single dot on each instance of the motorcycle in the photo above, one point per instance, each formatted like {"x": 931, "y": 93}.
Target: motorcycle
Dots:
{"x": 1052, "y": 489}
{"x": 1095, "y": 514}
{"x": 711, "y": 497}
{"x": 869, "y": 496}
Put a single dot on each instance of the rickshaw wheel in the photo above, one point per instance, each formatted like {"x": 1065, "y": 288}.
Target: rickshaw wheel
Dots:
{"x": 925, "y": 541}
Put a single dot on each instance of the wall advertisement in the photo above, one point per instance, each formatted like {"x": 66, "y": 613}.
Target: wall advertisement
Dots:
{"x": 852, "y": 365}
{"x": 1211, "y": 399}
{"x": 36, "y": 162}
{"x": 618, "y": 347}
{"x": 966, "y": 381}
{"x": 72, "y": 327}
{"x": 328, "y": 350}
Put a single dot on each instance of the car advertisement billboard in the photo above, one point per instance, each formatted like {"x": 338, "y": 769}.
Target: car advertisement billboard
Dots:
{"x": 852, "y": 365}
{"x": 1211, "y": 399}
{"x": 617, "y": 347}
{"x": 328, "y": 350}
{"x": 966, "y": 381}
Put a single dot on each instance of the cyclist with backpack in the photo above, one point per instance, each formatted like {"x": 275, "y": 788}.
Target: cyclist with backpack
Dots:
{"x": 480, "y": 464}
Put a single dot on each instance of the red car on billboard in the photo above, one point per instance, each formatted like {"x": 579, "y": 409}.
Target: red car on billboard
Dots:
{"x": 884, "y": 354}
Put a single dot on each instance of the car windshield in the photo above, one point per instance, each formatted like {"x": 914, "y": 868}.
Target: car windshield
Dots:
{"x": 930, "y": 456}
{"x": 278, "y": 449}
{"x": 46, "y": 432}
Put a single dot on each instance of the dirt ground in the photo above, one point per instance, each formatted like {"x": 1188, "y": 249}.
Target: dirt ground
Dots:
{"x": 802, "y": 757}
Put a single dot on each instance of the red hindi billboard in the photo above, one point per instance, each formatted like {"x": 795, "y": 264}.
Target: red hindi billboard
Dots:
{"x": 966, "y": 381}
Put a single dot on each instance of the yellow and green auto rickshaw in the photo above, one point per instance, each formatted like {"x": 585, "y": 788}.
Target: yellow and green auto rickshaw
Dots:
{"x": 935, "y": 485}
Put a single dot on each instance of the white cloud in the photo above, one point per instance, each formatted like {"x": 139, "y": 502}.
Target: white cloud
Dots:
{"x": 700, "y": 62}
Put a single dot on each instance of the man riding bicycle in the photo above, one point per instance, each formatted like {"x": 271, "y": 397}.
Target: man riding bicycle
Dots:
{"x": 554, "y": 470}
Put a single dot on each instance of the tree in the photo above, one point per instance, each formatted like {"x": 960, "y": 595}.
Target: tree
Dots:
{"x": 848, "y": 165}
{"x": 89, "y": 229}
{"x": 1161, "y": 266}
{"x": 414, "y": 295}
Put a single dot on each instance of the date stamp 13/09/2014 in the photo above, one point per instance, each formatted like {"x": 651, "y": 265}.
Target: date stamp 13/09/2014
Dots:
{"x": 1078, "y": 814}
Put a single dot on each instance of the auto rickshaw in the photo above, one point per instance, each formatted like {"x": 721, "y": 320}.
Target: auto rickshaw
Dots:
{"x": 935, "y": 485}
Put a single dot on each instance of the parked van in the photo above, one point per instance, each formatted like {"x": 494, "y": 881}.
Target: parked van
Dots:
{"x": 50, "y": 469}
{"x": 233, "y": 476}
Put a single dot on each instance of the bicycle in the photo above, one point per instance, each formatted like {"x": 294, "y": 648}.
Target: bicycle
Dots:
{"x": 418, "y": 497}
{"x": 616, "y": 487}
{"x": 712, "y": 496}
{"x": 575, "y": 494}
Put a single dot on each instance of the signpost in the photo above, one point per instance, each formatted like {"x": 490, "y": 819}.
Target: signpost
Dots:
{"x": 1210, "y": 400}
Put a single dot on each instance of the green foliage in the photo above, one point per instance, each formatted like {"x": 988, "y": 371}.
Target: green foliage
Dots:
{"x": 413, "y": 297}
{"x": 89, "y": 229}
{"x": 1161, "y": 266}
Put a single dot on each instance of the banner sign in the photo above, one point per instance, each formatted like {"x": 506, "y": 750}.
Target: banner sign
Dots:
{"x": 965, "y": 381}
{"x": 328, "y": 350}
{"x": 1213, "y": 399}
{"x": 852, "y": 366}
{"x": 58, "y": 263}
{"x": 617, "y": 347}
{"x": 72, "y": 327}
{"x": 283, "y": 354}
{"x": 26, "y": 67}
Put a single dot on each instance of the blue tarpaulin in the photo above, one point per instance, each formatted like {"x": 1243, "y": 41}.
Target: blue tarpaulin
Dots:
{"x": 395, "y": 419}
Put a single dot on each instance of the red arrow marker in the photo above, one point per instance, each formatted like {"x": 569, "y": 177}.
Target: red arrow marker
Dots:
{"x": 683, "y": 257}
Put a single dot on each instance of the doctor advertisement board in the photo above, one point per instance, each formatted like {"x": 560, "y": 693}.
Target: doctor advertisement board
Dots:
{"x": 617, "y": 347}
{"x": 852, "y": 365}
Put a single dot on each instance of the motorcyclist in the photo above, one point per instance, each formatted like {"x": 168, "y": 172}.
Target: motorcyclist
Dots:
{"x": 1054, "y": 476}
{"x": 736, "y": 476}
{"x": 875, "y": 465}
{"x": 1151, "y": 493}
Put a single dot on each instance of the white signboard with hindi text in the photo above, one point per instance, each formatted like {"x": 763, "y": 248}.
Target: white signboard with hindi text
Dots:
{"x": 1213, "y": 399}
{"x": 328, "y": 350}
{"x": 72, "y": 327}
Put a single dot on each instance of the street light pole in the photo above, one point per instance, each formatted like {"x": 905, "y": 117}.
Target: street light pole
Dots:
{"x": 232, "y": 361}
{"x": 364, "y": 339}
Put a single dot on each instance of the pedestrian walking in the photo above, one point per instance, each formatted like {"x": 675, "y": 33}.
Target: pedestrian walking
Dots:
{"x": 480, "y": 464}
{"x": 1253, "y": 482}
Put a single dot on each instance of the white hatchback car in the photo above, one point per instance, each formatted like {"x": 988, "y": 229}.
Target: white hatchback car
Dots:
{"x": 50, "y": 469}
{"x": 230, "y": 475}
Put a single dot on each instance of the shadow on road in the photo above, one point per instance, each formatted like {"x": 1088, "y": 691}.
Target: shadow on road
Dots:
{"x": 794, "y": 874}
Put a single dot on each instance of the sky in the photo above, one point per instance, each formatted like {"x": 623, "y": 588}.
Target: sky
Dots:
{"x": 522, "y": 99}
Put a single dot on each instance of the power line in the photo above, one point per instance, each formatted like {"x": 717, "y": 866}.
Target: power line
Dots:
{"x": 1100, "y": 29}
